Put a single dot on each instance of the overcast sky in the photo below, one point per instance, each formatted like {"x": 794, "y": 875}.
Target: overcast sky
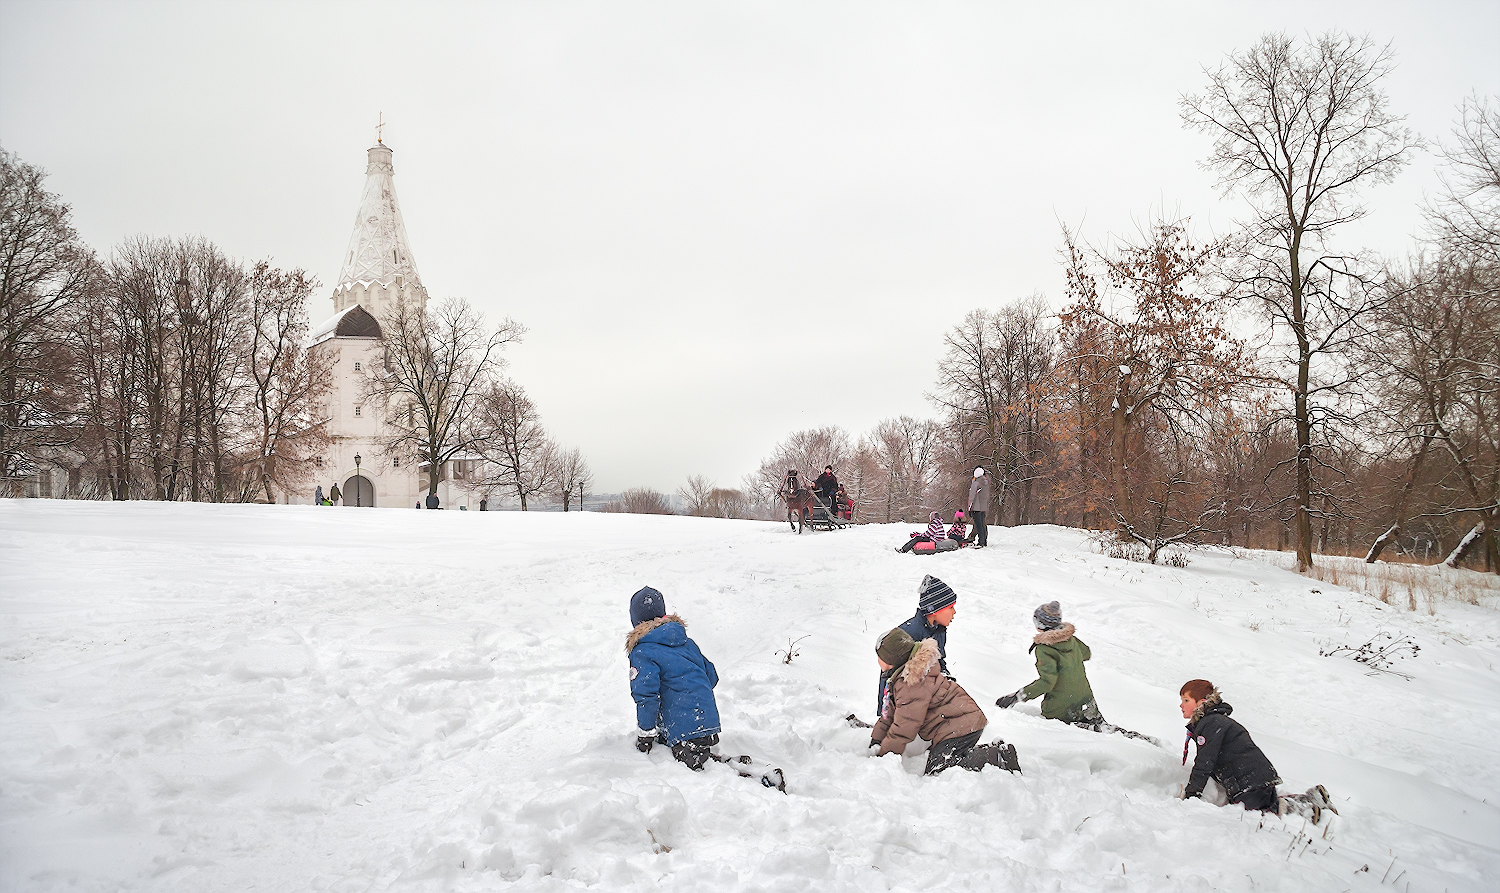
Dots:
{"x": 720, "y": 222}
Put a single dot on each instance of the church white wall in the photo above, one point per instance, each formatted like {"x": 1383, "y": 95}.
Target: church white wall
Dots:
{"x": 355, "y": 426}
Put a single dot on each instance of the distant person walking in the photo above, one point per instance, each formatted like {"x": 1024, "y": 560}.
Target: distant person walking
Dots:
{"x": 484, "y": 504}
{"x": 334, "y": 495}
{"x": 318, "y": 495}
{"x": 979, "y": 505}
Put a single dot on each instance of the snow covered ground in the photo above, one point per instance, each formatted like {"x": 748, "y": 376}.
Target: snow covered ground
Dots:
{"x": 200, "y": 698}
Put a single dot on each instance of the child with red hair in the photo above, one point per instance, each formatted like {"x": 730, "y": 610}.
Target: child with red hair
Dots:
{"x": 1227, "y": 754}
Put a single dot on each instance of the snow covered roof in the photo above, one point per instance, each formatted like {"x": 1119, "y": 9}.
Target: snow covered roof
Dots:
{"x": 379, "y": 251}
{"x": 353, "y": 321}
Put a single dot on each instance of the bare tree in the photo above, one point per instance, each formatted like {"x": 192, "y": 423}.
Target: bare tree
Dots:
{"x": 1436, "y": 364}
{"x": 640, "y": 501}
{"x": 726, "y": 502}
{"x": 703, "y": 498}
{"x": 807, "y": 451}
{"x": 697, "y": 495}
{"x": 1164, "y": 359}
{"x": 573, "y": 477}
{"x": 991, "y": 382}
{"x": 289, "y": 383}
{"x": 44, "y": 268}
{"x": 904, "y": 454}
{"x": 438, "y": 362}
{"x": 1301, "y": 131}
{"x": 142, "y": 291}
{"x": 214, "y": 326}
{"x": 1465, "y": 217}
{"x": 108, "y": 388}
{"x": 510, "y": 436}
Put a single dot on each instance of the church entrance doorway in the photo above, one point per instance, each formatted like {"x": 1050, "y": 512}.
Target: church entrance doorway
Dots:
{"x": 359, "y": 491}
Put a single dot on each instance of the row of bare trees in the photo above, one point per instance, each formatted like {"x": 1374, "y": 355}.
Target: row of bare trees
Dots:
{"x": 194, "y": 379}
{"x": 1267, "y": 388}
{"x": 166, "y": 371}
{"x": 170, "y": 371}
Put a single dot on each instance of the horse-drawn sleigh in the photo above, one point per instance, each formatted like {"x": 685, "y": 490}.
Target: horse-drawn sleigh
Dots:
{"x": 805, "y": 508}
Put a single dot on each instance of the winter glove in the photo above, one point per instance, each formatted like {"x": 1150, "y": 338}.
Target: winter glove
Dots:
{"x": 873, "y": 744}
{"x": 644, "y": 740}
{"x": 1008, "y": 701}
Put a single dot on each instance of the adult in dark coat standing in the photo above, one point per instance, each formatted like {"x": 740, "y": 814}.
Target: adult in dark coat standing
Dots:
{"x": 979, "y": 506}
{"x": 432, "y": 500}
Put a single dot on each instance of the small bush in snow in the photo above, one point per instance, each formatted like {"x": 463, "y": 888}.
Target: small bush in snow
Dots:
{"x": 1379, "y": 653}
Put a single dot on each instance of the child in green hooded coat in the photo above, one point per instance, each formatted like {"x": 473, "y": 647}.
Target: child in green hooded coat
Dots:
{"x": 1062, "y": 683}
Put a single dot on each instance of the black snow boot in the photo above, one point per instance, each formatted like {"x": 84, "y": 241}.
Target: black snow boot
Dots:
{"x": 695, "y": 752}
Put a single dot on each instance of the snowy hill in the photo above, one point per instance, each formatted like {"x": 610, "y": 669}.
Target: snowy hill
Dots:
{"x": 295, "y": 698}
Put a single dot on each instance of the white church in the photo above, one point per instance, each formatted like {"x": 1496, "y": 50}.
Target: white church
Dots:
{"x": 378, "y": 271}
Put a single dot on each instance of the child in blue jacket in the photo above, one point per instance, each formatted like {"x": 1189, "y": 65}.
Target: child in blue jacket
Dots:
{"x": 672, "y": 683}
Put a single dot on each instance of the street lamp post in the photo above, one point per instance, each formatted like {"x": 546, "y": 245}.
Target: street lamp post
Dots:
{"x": 358, "y": 493}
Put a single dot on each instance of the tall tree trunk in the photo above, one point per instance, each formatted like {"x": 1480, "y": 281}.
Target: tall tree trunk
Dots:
{"x": 1119, "y": 436}
{"x": 1471, "y": 539}
{"x": 1385, "y": 539}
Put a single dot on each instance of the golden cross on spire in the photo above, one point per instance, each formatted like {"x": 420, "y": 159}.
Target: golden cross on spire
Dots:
{"x": 380, "y": 124}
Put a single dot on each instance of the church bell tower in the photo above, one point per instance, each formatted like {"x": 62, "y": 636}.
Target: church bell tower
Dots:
{"x": 378, "y": 269}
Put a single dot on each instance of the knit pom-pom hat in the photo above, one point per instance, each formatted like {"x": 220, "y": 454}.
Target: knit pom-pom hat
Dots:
{"x": 1048, "y": 616}
{"x": 934, "y": 595}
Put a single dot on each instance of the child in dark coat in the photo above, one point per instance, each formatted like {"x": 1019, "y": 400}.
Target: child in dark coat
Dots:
{"x": 1227, "y": 754}
{"x": 672, "y": 683}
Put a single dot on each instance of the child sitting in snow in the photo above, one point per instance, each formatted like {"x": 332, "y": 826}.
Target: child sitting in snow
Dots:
{"x": 956, "y": 532}
{"x": 1228, "y": 755}
{"x": 921, "y": 702}
{"x": 1062, "y": 683}
{"x": 672, "y": 683}
{"x": 932, "y": 534}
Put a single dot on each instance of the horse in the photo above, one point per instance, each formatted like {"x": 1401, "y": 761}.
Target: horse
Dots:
{"x": 799, "y": 501}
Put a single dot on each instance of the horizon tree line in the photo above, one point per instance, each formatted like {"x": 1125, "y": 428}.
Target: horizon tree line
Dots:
{"x": 169, "y": 371}
{"x": 1272, "y": 387}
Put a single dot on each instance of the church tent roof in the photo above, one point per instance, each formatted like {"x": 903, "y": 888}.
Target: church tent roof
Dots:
{"x": 379, "y": 251}
{"x": 353, "y": 321}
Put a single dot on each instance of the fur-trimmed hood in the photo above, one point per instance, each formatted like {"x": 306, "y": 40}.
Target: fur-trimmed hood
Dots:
{"x": 1213, "y": 700}
{"x": 635, "y": 635}
{"x": 923, "y": 660}
{"x": 1053, "y": 636}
